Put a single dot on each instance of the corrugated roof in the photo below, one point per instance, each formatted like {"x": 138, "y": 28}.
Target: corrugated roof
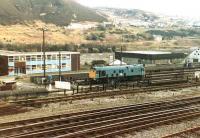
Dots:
{"x": 151, "y": 55}
{"x": 148, "y": 52}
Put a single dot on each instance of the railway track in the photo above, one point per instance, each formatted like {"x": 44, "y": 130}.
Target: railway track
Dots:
{"x": 92, "y": 95}
{"x": 10, "y": 109}
{"x": 104, "y": 122}
{"x": 189, "y": 133}
{"x": 156, "y": 77}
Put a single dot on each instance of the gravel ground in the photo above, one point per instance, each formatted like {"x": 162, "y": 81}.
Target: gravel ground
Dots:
{"x": 165, "y": 130}
{"x": 83, "y": 105}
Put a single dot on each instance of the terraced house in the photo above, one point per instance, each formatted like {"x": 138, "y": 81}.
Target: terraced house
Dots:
{"x": 19, "y": 63}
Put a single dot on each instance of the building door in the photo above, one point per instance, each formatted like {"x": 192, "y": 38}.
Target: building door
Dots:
{"x": 20, "y": 67}
{"x": 75, "y": 62}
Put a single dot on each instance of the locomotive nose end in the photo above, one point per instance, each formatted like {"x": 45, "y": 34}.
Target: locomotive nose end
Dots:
{"x": 92, "y": 74}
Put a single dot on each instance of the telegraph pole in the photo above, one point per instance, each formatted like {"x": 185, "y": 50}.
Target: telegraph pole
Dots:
{"x": 60, "y": 67}
{"x": 121, "y": 57}
{"x": 121, "y": 51}
{"x": 44, "y": 53}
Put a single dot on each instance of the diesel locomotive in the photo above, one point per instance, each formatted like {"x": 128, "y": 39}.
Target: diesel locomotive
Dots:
{"x": 117, "y": 73}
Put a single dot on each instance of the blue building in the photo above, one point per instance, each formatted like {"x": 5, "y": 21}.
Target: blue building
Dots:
{"x": 18, "y": 63}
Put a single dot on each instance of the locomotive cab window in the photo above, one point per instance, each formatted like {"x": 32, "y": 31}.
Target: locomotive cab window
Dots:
{"x": 103, "y": 73}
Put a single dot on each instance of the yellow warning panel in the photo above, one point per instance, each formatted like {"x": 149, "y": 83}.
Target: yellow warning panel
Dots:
{"x": 92, "y": 74}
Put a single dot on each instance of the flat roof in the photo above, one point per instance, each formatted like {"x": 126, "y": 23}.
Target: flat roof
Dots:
{"x": 147, "y": 52}
{"x": 15, "y": 53}
{"x": 151, "y": 55}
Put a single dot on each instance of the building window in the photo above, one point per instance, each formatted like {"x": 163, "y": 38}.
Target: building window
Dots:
{"x": 48, "y": 66}
{"x": 68, "y": 56}
{"x": 34, "y": 67}
{"x": 28, "y": 67}
{"x": 53, "y": 57}
{"x": 33, "y": 58}
{"x": 57, "y": 66}
{"x": 10, "y": 69}
{"x": 48, "y": 57}
{"x": 39, "y": 57}
{"x": 54, "y": 66}
{"x": 43, "y": 66}
{"x": 64, "y": 65}
{"x": 43, "y": 57}
{"x": 28, "y": 58}
{"x": 58, "y": 57}
{"x": 22, "y": 58}
{"x": 10, "y": 59}
{"x": 16, "y": 59}
{"x": 39, "y": 67}
{"x": 65, "y": 56}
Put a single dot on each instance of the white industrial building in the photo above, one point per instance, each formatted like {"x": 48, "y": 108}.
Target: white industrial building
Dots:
{"x": 194, "y": 56}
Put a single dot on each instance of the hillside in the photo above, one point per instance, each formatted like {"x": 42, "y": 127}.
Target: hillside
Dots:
{"x": 59, "y": 12}
{"x": 129, "y": 14}
{"x": 142, "y": 18}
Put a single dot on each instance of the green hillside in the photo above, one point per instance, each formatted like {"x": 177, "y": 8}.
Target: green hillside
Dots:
{"x": 60, "y": 12}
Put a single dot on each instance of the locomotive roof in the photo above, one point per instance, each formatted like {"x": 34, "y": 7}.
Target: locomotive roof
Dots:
{"x": 119, "y": 67}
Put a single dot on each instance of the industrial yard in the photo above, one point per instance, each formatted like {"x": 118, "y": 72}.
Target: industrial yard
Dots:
{"x": 99, "y": 69}
{"x": 153, "y": 95}
{"x": 165, "y": 93}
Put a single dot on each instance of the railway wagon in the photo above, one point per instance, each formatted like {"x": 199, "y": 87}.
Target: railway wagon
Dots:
{"x": 117, "y": 73}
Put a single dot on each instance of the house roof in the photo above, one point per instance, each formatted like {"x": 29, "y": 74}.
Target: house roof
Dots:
{"x": 117, "y": 62}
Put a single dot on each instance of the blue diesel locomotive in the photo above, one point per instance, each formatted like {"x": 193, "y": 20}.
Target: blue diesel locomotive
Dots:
{"x": 114, "y": 73}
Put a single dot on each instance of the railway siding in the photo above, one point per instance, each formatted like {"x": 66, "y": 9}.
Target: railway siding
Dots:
{"x": 105, "y": 122}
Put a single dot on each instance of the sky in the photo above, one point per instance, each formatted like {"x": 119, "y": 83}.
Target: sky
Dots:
{"x": 186, "y": 8}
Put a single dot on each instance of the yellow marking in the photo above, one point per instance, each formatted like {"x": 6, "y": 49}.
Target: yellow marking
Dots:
{"x": 92, "y": 74}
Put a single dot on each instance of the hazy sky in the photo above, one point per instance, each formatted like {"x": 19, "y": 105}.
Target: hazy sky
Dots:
{"x": 188, "y": 8}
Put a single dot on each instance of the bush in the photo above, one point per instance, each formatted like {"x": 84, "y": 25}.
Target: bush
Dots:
{"x": 95, "y": 36}
{"x": 170, "y": 34}
{"x": 85, "y": 48}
